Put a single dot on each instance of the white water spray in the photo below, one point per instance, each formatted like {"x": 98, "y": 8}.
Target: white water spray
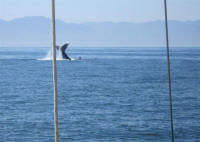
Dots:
{"x": 48, "y": 56}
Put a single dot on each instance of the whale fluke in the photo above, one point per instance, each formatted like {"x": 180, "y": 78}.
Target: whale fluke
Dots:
{"x": 62, "y": 49}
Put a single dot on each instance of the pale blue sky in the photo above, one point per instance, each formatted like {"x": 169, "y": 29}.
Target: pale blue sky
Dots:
{"x": 102, "y": 10}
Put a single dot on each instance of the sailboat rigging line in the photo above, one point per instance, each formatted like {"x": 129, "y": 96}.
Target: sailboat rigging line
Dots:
{"x": 54, "y": 70}
{"x": 169, "y": 73}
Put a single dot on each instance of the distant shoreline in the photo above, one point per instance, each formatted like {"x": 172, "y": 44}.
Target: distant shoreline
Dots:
{"x": 36, "y": 32}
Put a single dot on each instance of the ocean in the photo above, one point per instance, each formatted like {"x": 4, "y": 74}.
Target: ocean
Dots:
{"x": 110, "y": 95}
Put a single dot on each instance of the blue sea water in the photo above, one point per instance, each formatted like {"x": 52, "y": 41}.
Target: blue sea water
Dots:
{"x": 111, "y": 95}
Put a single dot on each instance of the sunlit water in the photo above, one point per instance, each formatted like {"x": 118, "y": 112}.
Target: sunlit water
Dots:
{"x": 111, "y": 95}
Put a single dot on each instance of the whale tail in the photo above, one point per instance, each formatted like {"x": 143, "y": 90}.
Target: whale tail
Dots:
{"x": 62, "y": 49}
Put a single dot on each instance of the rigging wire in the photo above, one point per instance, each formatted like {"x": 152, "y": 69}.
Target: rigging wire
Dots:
{"x": 169, "y": 73}
{"x": 54, "y": 70}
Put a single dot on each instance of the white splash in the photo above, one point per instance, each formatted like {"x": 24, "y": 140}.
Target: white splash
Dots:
{"x": 48, "y": 56}
{"x": 58, "y": 56}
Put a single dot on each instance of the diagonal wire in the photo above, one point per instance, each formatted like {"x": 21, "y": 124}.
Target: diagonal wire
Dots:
{"x": 169, "y": 73}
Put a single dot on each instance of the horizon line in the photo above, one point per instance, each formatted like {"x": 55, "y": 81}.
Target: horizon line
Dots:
{"x": 102, "y": 46}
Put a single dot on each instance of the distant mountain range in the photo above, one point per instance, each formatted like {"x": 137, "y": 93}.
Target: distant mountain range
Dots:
{"x": 36, "y": 31}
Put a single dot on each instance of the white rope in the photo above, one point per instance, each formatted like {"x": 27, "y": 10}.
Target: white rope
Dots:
{"x": 54, "y": 71}
{"x": 169, "y": 73}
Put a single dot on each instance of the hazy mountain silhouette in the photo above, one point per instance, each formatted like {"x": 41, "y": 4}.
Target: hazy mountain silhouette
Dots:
{"x": 36, "y": 31}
